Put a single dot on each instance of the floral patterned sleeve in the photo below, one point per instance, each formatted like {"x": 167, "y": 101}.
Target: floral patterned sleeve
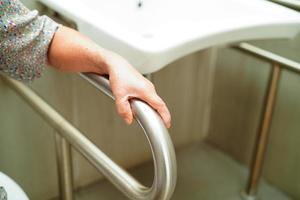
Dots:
{"x": 24, "y": 40}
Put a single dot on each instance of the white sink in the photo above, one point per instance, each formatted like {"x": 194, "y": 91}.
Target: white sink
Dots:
{"x": 162, "y": 31}
{"x": 12, "y": 189}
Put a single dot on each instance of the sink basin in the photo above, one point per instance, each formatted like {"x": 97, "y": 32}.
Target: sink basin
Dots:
{"x": 161, "y": 31}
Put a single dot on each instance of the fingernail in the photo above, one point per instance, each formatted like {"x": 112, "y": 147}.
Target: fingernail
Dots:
{"x": 168, "y": 124}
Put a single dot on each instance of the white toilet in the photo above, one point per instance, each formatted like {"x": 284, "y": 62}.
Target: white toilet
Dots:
{"x": 13, "y": 190}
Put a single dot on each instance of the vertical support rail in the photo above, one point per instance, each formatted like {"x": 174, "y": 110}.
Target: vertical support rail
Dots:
{"x": 64, "y": 168}
{"x": 57, "y": 142}
{"x": 263, "y": 133}
{"x": 278, "y": 63}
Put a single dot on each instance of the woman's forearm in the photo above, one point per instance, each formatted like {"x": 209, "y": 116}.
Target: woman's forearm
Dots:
{"x": 71, "y": 51}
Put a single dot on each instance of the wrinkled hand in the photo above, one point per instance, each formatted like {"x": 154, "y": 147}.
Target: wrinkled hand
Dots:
{"x": 128, "y": 83}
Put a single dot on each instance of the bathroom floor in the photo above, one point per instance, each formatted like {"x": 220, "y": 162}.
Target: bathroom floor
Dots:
{"x": 203, "y": 173}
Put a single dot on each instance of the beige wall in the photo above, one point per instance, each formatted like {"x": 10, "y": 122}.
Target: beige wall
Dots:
{"x": 240, "y": 82}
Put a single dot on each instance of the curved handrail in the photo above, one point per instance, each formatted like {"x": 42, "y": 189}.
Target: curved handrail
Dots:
{"x": 161, "y": 147}
{"x": 154, "y": 129}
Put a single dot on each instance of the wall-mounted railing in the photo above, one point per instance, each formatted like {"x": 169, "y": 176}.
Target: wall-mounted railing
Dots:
{"x": 277, "y": 64}
{"x": 293, "y": 4}
{"x": 158, "y": 137}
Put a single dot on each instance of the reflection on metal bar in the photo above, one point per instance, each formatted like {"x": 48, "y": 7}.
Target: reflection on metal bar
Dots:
{"x": 268, "y": 56}
{"x": 154, "y": 129}
{"x": 64, "y": 167}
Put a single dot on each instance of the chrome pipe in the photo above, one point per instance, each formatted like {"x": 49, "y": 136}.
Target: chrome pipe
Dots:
{"x": 258, "y": 157}
{"x": 160, "y": 143}
{"x": 64, "y": 168}
{"x": 278, "y": 63}
{"x": 57, "y": 142}
{"x": 157, "y": 134}
{"x": 263, "y": 132}
{"x": 268, "y": 56}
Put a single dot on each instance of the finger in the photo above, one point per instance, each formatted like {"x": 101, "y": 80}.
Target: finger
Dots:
{"x": 124, "y": 109}
{"x": 158, "y": 104}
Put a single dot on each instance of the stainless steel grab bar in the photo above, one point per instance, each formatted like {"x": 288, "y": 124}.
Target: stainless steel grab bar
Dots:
{"x": 278, "y": 63}
{"x": 154, "y": 129}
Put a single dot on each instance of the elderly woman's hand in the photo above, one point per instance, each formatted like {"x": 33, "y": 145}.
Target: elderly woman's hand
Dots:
{"x": 127, "y": 83}
{"x": 71, "y": 51}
